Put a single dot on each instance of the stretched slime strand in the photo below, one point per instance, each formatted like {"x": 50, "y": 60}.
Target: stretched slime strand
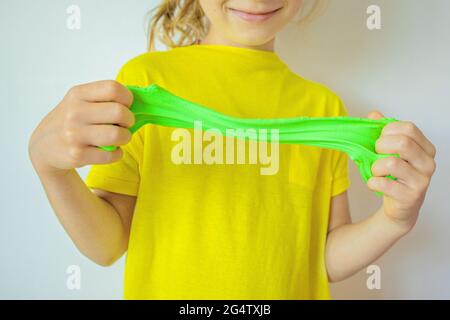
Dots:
{"x": 354, "y": 136}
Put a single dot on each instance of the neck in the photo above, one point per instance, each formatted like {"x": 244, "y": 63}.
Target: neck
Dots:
{"x": 215, "y": 39}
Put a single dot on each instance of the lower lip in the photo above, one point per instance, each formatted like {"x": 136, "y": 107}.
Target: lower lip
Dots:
{"x": 253, "y": 17}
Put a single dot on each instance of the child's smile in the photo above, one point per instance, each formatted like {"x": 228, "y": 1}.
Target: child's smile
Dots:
{"x": 249, "y": 23}
{"x": 254, "y": 16}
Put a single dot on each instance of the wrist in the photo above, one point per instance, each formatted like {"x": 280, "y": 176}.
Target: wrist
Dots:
{"x": 397, "y": 226}
{"x": 45, "y": 170}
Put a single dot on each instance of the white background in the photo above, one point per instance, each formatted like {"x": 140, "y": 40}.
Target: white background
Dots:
{"x": 402, "y": 69}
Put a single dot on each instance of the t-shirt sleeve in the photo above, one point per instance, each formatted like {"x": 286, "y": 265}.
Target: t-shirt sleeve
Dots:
{"x": 121, "y": 176}
{"x": 340, "y": 180}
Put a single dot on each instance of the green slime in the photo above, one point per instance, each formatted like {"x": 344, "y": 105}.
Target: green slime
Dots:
{"x": 354, "y": 136}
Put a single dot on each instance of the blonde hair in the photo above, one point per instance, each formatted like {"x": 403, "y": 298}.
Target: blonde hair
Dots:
{"x": 178, "y": 23}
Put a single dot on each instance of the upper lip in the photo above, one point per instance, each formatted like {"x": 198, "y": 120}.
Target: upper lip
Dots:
{"x": 260, "y": 13}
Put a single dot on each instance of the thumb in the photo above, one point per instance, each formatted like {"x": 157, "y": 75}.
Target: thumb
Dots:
{"x": 375, "y": 115}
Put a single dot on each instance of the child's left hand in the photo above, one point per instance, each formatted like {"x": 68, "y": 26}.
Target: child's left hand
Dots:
{"x": 413, "y": 170}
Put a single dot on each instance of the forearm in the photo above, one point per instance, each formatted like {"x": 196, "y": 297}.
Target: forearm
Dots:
{"x": 92, "y": 223}
{"x": 352, "y": 247}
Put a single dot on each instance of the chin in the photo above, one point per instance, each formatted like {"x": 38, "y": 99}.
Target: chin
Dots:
{"x": 252, "y": 39}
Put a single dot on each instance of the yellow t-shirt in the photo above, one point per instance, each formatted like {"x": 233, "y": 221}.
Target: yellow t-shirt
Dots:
{"x": 225, "y": 231}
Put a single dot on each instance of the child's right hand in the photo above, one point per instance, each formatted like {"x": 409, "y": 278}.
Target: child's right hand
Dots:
{"x": 68, "y": 136}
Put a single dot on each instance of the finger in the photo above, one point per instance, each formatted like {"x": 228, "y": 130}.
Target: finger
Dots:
{"x": 408, "y": 150}
{"x": 375, "y": 115}
{"x": 410, "y": 129}
{"x": 402, "y": 170}
{"x": 94, "y": 155}
{"x": 390, "y": 188}
{"x": 104, "y": 91}
{"x": 104, "y": 135}
{"x": 107, "y": 113}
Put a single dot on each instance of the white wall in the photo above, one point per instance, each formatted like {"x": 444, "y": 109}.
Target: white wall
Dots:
{"x": 40, "y": 60}
{"x": 402, "y": 69}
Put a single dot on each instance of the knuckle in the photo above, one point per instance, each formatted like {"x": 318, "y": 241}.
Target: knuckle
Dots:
{"x": 72, "y": 115}
{"x": 410, "y": 127}
{"x": 405, "y": 143}
{"x": 111, "y": 87}
{"x": 430, "y": 169}
{"x": 433, "y": 150}
{"x": 118, "y": 111}
{"x": 71, "y": 136}
{"x": 76, "y": 155}
{"x": 392, "y": 163}
{"x": 433, "y": 167}
{"x": 74, "y": 92}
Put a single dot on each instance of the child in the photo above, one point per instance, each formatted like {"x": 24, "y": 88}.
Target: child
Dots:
{"x": 220, "y": 231}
